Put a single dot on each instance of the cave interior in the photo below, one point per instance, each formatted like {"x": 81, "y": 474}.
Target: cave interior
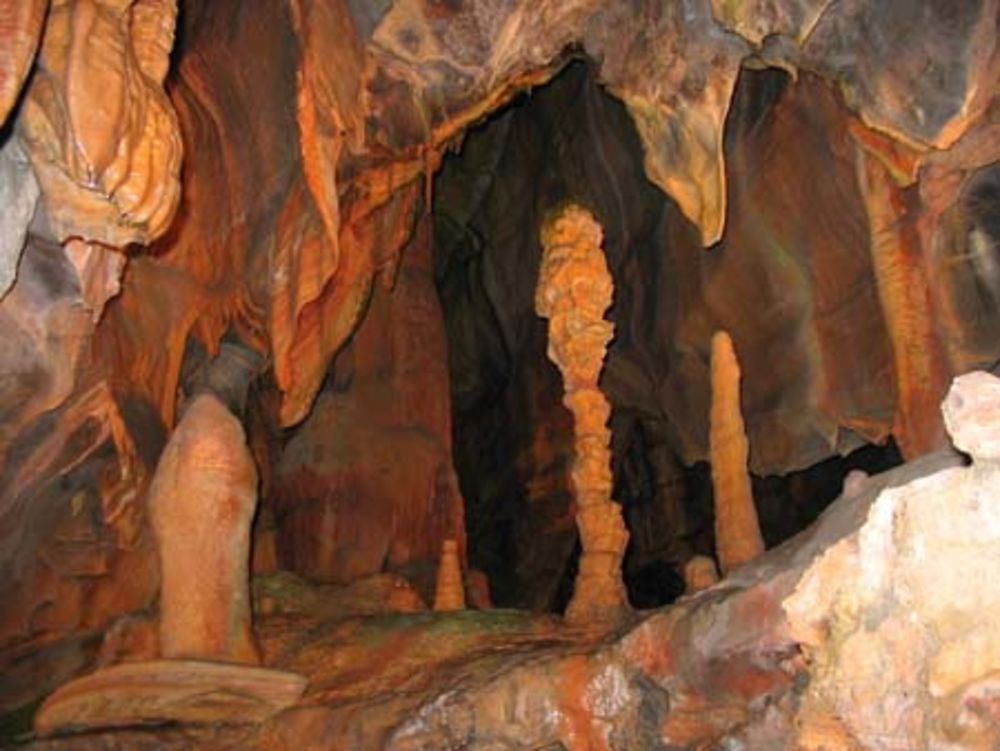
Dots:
{"x": 556, "y": 375}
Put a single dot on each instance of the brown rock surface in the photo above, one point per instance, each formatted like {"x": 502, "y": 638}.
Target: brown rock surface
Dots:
{"x": 168, "y": 691}
{"x": 284, "y": 593}
{"x": 380, "y": 431}
{"x": 20, "y": 31}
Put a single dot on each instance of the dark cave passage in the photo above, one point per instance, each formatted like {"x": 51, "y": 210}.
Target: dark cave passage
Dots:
{"x": 513, "y": 439}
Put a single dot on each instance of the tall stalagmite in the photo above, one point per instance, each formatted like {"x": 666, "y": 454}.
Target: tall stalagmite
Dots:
{"x": 737, "y": 531}
{"x": 574, "y": 291}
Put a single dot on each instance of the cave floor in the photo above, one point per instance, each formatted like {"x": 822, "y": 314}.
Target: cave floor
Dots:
{"x": 365, "y": 659}
{"x": 392, "y": 681}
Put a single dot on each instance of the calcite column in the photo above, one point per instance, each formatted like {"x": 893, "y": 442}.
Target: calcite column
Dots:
{"x": 201, "y": 501}
{"x": 574, "y": 291}
{"x": 737, "y": 530}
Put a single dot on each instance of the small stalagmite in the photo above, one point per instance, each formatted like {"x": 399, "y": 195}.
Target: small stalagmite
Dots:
{"x": 450, "y": 592}
{"x": 737, "y": 530}
{"x": 700, "y": 573}
{"x": 201, "y": 504}
{"x": 574, "y": 291}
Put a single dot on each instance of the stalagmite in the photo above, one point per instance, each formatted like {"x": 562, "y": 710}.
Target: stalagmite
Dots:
{"x": 574, "y": 291}
{"x": 201, "y": 504}
{"x": 450, "y": 592}
{"x": 699, "y": 573}
{"x": 737, "y": 531}
{"x": 202, "y": 501}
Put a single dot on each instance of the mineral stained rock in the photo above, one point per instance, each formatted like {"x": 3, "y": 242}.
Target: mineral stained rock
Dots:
{"x": 387, "y": 398}
{"x": 20, "y": 32}
{"x": 574, "y": 291}
{"x": 97, "y": 125}
{"x": 169, "y": 691}
{"x": 202, "y": 499}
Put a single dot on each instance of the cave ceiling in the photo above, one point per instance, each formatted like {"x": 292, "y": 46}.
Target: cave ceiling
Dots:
{"x": 252, "y": 171}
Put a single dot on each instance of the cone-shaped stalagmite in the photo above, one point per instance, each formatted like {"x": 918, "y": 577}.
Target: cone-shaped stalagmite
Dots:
{"x": 737, "y": 531}
{"x": 450, "y": 591}
{"x": 574, "y": 291}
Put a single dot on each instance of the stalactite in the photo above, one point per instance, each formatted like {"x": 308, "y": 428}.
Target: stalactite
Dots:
{"x": 574, "y": 291}
{"x": 737, "y": 531}
{"x": 450, "y": 592}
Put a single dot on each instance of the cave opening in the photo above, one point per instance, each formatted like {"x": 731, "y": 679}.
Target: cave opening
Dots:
{"x": 512, "y": 437}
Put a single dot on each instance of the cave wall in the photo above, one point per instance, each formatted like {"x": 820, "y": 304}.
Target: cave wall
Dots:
{"x": 366, "y": 483}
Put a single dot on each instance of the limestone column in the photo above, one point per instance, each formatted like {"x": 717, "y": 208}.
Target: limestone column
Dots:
{"x": 574, "y": 291}
{"x": 201, "y": 504}
{"x": 737, "y": 530}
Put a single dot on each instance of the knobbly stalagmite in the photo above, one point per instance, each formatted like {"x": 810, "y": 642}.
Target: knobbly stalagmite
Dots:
{"x": 574, "y": 291}
{"x": 737, "y": 531}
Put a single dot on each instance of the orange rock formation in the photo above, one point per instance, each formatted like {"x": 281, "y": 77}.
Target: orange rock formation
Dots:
{"x": 574, "y": 291}
{"x": 737, "y": 531}
{"x": 113, "y": 176}
{"x": 450, "y": 591}
{"x": 699, "y": 573}
{"x": 201, "y": 501}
